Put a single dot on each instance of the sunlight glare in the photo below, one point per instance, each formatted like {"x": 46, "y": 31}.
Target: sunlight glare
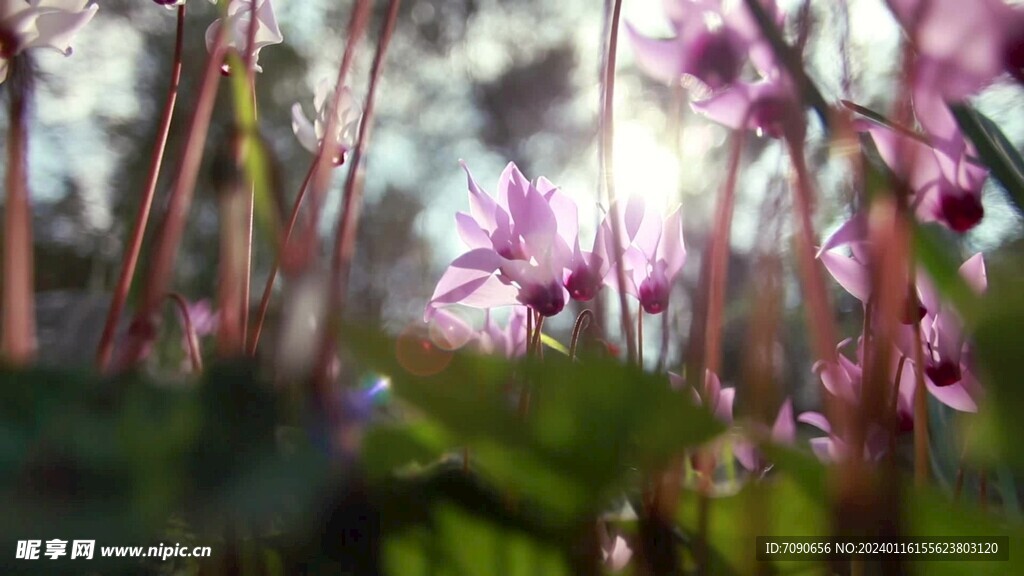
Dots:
{"x": 645, "y": 166}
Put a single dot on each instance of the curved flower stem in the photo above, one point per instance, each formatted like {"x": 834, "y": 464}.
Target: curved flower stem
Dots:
{"x": 166, "y": 244}
{"x": 19, "y": 326}
{"x": 268, "y": 289}
{"x": 194, "y": 355}
{"x": 582, "y": 321}
{"x": 609, "y": 177}
{"x": 131, "y": 257}
{"x": 348, "y": 219}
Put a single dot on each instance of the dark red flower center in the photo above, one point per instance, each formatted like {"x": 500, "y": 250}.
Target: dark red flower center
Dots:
{"x": 653, "y": 298}
{"x": 547, "y": 299}
{"x": 583, "y": 284}
{"x": 1013, "y": 56}
{"x": 961, "y": 211}
{"x": 770, "y": 114}
{"x": 944, "y": 373}
{"x": 717, "y": 62}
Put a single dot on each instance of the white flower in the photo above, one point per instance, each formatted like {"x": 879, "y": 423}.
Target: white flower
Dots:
{"x": 310, "y": 134}
{"x": 267, "y": 31}
{"x": 28, "y": 24}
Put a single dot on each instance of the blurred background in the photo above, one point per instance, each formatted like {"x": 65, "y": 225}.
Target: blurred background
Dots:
{"x": 479, "y": 80}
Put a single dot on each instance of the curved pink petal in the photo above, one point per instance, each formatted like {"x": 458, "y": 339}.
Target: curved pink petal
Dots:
{"x": 784, "y": 428}
{"x": 973, "y": 272}
{"x": 955, "y": 396}
{"x": 470, "y": 280}
{"x": 671, "y": 249}
{"x": 729, "y": 107}
{"x": 849, "y": 273}
{"x": 662, "y": 59}
{"x": 481, "y": 205}
{"x": 723, "y": 410}
{"x": 815, "y": 419}
{"x": 471, "y": 233}
{"x": 565, "y": 211}
{"x": 853, "y": 230}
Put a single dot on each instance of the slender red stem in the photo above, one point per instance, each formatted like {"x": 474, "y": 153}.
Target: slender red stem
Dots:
{"x": 166, "y": 247}
{"x": 326, "y": 155}
{"x": 131, "y": 257}
{"x": 719, "y": 267}
{"x": 608, "y": 134}
{"x": 348, "y": 221}
{"x": 268, "y": 289}
{"x": 19, "y": 327}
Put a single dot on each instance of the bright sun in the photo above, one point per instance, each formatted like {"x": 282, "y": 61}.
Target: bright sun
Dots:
{"x": 644, "y": 166}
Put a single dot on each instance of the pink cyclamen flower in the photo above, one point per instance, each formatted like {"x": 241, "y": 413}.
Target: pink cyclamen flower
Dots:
{"x": 783, "y": 431}
{"x": 963, "y": 46}
{"x": 449, "y": 331}
{"x": 311, "y": 133}
{"x": 518, "y": 252}
{"x": 767, "y": 106}
{"x": 237, "y": 21}
{"x": 719, "y": 400}
{"x": 946, "y": 185}
{"x": 26, "y": 24}
{"x": 711, "y": 44}
{"x": 948, "y": 372}
{"x": 653, "y": 253}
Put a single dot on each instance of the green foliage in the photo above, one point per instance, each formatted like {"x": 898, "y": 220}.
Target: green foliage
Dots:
{"x": 591, "y": 426}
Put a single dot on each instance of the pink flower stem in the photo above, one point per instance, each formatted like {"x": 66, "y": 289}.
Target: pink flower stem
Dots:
{"x": 309, "y": 236}
{"x": 268, "y": 289}
{"x": 165, "y": 246}
{"x": 348, "y": 220}
{"x": 194, "y": 355}
{"x": 131, "y": 257}
{"x": 818, "y": 312}
{"x": 19, "y": 327}
{"x": 608, "y": 133}
{"x": 719, "y": 267}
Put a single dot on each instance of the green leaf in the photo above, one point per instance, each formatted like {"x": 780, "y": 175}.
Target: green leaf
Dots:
{"x": 555, "y": 345}
{"x": 388, "y": 448}
{"x": 995, "y": 151}
{"x": 778, "y": 507}
{"x": 591, "y": 423}
{"x": 931, "y": 513}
